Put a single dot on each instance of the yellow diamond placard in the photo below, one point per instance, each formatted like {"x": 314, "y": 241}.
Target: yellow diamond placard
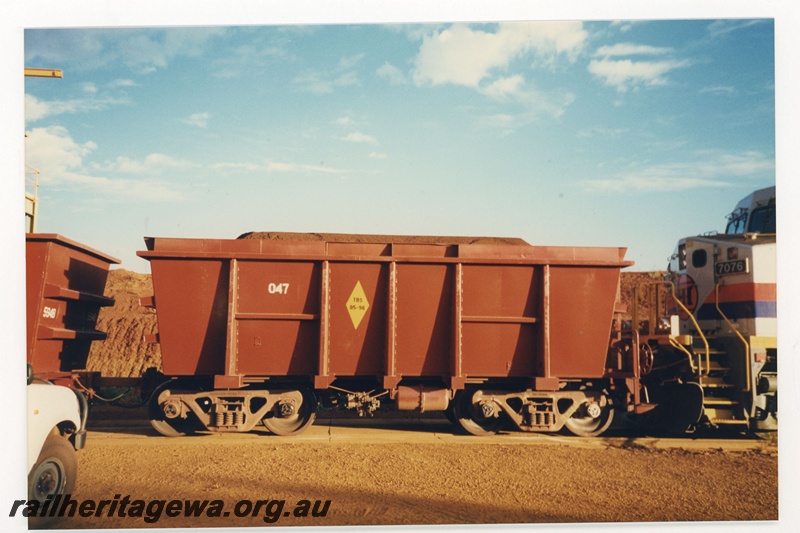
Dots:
{"x": 357, "y": 304}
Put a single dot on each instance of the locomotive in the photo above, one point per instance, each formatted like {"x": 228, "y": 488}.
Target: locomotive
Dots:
{"x": 494, "y": 333}
{"x": 727, "y": 285}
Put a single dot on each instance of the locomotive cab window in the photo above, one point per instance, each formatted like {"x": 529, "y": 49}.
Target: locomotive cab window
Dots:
{"x": 736, "y": 224}
{"x": 699, "y": 258}
{"x": 762, "y": 220}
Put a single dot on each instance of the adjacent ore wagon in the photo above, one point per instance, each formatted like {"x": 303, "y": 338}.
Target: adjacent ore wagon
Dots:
{"x": 65, "y": 283}
{"x": 261, "y": 331}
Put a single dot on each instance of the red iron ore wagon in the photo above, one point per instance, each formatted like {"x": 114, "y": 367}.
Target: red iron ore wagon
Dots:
{"x": 260, "y": 330}
{"x": 65, "y": 284}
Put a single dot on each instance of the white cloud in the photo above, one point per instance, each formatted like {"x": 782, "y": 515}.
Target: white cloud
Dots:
{"x": 718, "y": 90}
{"x": 600, "y": 131}
{"x": 53, "y": 151}
{"x": 152, "y": 164}
{"x": 199, "y": 120}
{"x": 377, "y": 155}
{"x": 313, "y": 82}
{"x": 324, "y": 82}
{"x": 143, "y": 50}
{"x": 480, "y": 59}
{"x": 36, "y": 109}
{"x": 652, "y": 180}
{"x": 710, "y": 169}
{"x": 279, "y": 167}
{"x": 464, "y": 56}
{"x": 624, "y": 25}
{"x": 721, "y": 27}
{"x": 625, "y": 73}
{"x": 346, "y": 80}
{"x": 504, "y": 87}
{"x": 347, "y": 63}
{"x": 629, "y": 49}
{"x": 345, "y": 121}
{"x": 61, "y": 162}
{"x": 237, "y": 167}
{"x": 392, "y": 74}
{"x": 358, "y": 137}
{"x": 122, "y": 83}
{"x": 90, "y": 88}
{"x": 299, "y": 167}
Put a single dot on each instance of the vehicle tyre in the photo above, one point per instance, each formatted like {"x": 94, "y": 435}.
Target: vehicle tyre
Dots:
{"x": 54, "y": 473}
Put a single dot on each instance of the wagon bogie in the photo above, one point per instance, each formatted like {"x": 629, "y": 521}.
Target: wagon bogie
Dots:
{"x": 582, "y": 413}
{"x": 175, "y": 412}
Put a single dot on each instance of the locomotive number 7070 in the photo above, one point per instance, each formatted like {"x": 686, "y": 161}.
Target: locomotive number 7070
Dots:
{"x": 278, "y": 288}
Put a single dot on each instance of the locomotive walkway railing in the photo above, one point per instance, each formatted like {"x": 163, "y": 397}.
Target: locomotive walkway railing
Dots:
{"x": 706, "y": 354}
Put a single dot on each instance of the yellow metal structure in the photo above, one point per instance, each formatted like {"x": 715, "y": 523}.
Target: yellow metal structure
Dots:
{"x": 44, "y": 73}
{"x": 32, "y": 174}
{"x": 31, "y": 198}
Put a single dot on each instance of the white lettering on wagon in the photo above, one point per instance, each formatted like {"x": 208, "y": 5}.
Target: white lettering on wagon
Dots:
{"x": 278, "y": 288}
{"x": 49, "y": 312}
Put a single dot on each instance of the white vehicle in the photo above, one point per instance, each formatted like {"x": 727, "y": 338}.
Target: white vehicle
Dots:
{"x": 56, "y": 429}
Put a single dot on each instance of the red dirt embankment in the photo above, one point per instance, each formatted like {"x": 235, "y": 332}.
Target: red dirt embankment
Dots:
{"x": 125, "y": 353}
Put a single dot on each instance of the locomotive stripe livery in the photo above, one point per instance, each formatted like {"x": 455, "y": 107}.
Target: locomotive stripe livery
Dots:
{"x": 743, "y": 300}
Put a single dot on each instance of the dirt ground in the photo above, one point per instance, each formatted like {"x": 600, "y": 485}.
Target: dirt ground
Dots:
{"x": 420, "y": 472}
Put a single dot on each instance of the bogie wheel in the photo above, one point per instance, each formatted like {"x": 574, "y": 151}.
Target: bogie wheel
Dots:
{"x": 292, "y": 418}
{"x": 471, "y": 417}
{"x": 54, "y": 473}
{"x": 590, "y": 419}
{"x": 169, "y": 427}
{"x": 450, "y": 413}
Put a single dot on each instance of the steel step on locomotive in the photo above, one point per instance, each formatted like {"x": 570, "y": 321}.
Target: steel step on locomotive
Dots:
{"x": 494, "y": 334}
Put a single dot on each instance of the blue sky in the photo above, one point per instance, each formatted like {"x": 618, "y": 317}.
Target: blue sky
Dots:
{"x": 562, "y": 133}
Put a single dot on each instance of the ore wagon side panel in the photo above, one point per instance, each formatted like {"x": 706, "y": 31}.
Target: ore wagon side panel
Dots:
{"x": 499, "y": 322}
{"x": 192, "y": 301}
{"x": 276, "y": 317}
{"x": 424, "y": 319}
{"x": 358, "y": 319}
{"x": 579, "y": 323}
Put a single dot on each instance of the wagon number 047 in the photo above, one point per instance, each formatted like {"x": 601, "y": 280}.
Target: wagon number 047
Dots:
{"x": 278, "y": 288}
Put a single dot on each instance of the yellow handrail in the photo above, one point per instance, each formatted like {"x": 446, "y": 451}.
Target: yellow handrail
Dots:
{"x": 675, "y": 344}
{"x": 673, "y": 340}
{"x": 696, "y": 325}
{"x": 741, "y": 338}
